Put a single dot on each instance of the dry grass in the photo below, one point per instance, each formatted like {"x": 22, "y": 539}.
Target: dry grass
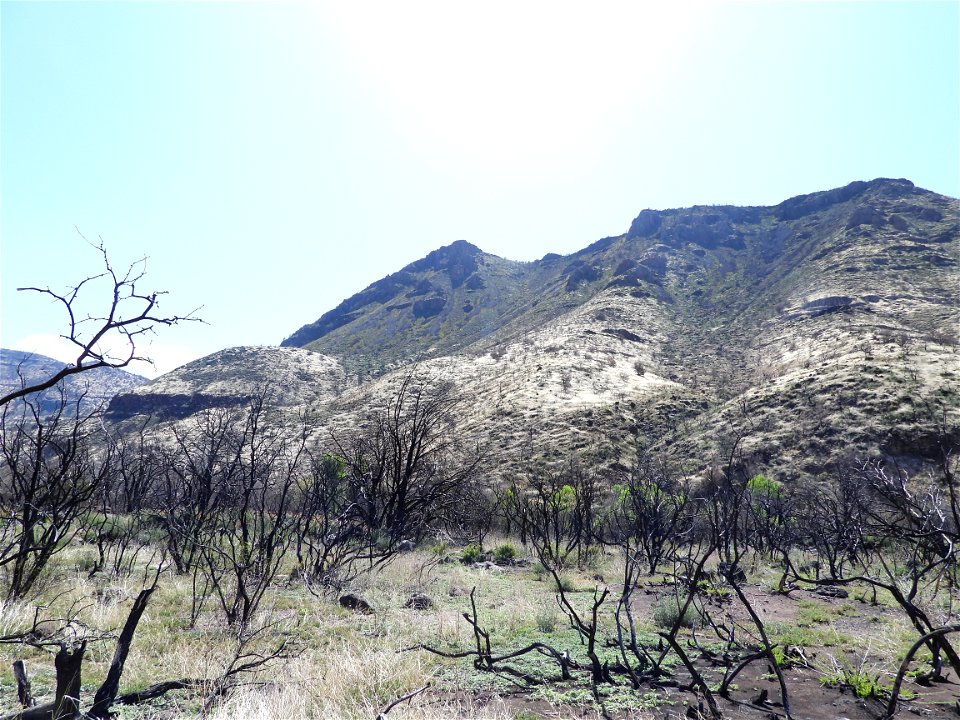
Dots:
{"x": 348, "y": 665}
{"x": 342, "y": 664}
{"x": 353, "y": 680}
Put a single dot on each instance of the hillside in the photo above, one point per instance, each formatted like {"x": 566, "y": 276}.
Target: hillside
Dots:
{"x": 95, "y": 387}
{"x": 818, "y": 328}
{"x": 229, "y": 378}
{"x": 704, "y": 258}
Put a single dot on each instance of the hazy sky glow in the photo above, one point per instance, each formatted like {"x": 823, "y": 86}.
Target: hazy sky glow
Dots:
{"x": 272, "y": 159}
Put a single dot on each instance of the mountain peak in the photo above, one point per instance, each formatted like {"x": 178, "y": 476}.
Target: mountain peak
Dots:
{"x": 801, "y": 205}
{"x": 458, "y": 261}
{"x": 424, "y": 288}
{"x": 463, "y": 246}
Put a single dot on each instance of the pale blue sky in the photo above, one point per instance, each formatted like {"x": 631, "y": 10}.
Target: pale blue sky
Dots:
{"x": 272, "y": 159}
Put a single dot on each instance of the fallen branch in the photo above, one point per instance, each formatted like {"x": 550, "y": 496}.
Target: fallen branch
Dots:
{"x": 159, "y": 689}
{"x": 487, "y": 661}
{"x": 405, "y": 698}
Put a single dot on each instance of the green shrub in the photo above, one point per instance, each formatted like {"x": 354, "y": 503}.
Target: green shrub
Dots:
{"x": 591, "y": 558}
{"x": 472, "y": 553}
{"x": 97, "y": 526}
{"x": 863, "y": 683}
{"x": 151, "y": 535}
{"x": 711, "y": 589}
{"x": 567, "y": 584}
{"x": 810, "y": 612}
{"x": 87, "y": 562}
{"x": 382, "y": 541}
{"x": 762, "y": 485}
{"x": 546, "y": 621}
{"x": 780, "y": 657}
{"x": 525, "y": 715}
{"x": 505, "y": 554}
{"x": 539, "y": 571}
{"x": 666, "y": 611}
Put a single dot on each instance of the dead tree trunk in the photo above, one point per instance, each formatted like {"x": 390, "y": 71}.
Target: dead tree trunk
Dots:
{"x": 107, "y": 692}
{"x": 68, "y": 663}
{"x": 24, "y": 694}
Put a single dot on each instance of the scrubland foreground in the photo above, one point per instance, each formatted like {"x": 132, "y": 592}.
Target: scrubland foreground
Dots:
{"x": 838, "y": 655}
{"x": 236, "y": 570}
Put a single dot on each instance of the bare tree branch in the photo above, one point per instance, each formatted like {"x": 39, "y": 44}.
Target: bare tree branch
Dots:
{"x": 131, "y": 314}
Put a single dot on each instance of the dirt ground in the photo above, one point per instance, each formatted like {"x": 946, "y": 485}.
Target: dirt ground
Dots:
{"x": 854, "y": 622}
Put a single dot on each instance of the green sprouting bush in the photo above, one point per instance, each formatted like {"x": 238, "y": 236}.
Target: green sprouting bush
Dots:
{"x": 98, "y": 526}
{"x": 591, "y": 557}
{"x": 546, "y": 621}
{"x": 666, "y": 611}
{"x": 472, "y": 553}
{"x": 505, "y": 554}
{"x": 711, "y": 589}
{"x": 87, "y": 562}
{"x": 864, "y": 684}
{"x": 567, "y": 584}
{"x": 781, "y": 658}
{"x": 151, "y": 534}
{"x": 382, "y": 541}
{"x": 762, "y": 485}
{"x": 525, "y": 715}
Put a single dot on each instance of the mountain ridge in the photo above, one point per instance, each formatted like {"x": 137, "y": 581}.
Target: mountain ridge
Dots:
{"x": 434, "y": 296}
{"x": 820, "y": 326}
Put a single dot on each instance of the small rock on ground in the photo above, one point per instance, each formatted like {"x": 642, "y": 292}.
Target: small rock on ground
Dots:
{"x": 831, "y": 591}
{"x": 355, "y": 602}
{"x": 418, "y": 601}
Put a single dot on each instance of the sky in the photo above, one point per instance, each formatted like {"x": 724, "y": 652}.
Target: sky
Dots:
{"x": 272, "y": 159}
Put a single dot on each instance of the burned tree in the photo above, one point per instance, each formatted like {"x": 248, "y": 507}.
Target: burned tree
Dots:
{"x": 49, "y": 476}
{"x": 649, "y": 517}
{"x": 333, "y": 541}
{"x": 227, "y": 502}
{"x": 195, "y": 475}
{"x": 909, "y": 547}
{"x": 120, "y": 522}
{"x": 242, "y": 548}
{"x": 407, "y": 473}
{"x": 561, "y": 512}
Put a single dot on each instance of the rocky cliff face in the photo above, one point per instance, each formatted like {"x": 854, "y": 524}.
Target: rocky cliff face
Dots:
{"x": 818, "y": 328}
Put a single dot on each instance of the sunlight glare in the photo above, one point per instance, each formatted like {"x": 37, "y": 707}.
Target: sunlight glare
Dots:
{"x": 523, "y": 86}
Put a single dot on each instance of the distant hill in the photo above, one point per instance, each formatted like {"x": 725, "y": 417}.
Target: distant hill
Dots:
{"x": 95, "y": 387}
{"x": 820, "y": 328}
{"x": 230, "y": 378}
